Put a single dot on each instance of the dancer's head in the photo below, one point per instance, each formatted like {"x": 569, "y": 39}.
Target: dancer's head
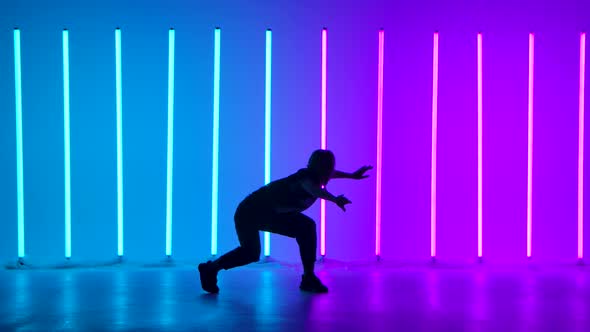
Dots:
{"x": 321, "y": 163}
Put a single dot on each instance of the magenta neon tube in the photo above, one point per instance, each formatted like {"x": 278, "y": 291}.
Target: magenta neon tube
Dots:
{"x": 379, "y": 143}
{"x": 581, "y": 148}
{"x": 529, "y": 224}
{"x": 324, "y": 135}
{"x": 433, "y": 156}
{"x": 479, "y": 148}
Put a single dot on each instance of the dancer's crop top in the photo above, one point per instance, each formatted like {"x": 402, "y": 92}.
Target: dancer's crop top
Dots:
{"x": 287, "y": 194}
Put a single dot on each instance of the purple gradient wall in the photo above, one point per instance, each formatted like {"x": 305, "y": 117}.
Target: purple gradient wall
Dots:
{"x": 352, "y": 104}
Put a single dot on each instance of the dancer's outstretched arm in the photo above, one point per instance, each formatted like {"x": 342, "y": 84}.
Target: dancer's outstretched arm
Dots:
{"x": 357, "y": 175}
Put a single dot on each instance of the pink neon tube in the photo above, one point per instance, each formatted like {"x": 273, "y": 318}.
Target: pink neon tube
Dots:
{"x": 581, "y": 148}
{"x": 433, "y": 157}
{"x": 529, "y": 217}
{"x": 324, "y": 136}
{"x": 479, "y": 148}
{"x": 379, "y": 143}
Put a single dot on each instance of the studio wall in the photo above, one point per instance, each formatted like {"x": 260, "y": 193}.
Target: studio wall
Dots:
{"x": 296, "y": 77}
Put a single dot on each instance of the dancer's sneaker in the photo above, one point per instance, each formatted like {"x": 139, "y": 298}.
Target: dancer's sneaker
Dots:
{"x": 208, "y": 275}
{"x": 312, "y": 284}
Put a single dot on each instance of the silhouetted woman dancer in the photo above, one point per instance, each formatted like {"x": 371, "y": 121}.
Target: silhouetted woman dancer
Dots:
{"x": 277, "y": 208}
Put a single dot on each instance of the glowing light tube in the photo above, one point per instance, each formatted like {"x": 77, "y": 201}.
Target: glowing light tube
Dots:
{"x": 433, "y": 153}
{"x": 581, "y": 148}
{"x": 479, "y": 148}
{"x": 215, "y": 173}
{"x": 529, "y": 224}
{"x": 324, "y": 135}
{"x": 170, "y": 148}
{"x": 68, "y": 196}
{"x": 379, "y": 143}
{"x": 19, "y": 145}
{"x": 119, "y": 142}
{"x": 267, "y": 123}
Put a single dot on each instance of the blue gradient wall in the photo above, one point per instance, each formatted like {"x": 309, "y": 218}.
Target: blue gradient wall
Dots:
{"x": 352, "y": 99}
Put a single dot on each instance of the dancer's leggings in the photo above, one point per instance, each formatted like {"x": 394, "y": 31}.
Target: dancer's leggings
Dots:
{"x": 250, "y": 220}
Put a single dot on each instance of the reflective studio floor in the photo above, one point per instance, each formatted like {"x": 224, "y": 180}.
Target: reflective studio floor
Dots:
{"x": 265, "y": 297}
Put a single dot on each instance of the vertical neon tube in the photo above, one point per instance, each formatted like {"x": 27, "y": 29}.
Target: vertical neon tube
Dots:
{"x": 433, "y": 152}
{"x": 581, "y": 148}
{"x": 68, "y": 196}
{"x": 479, "y": 147}
{"x": 529, "y": 214}
{"x": 170, "y": 148}
{"x": 267, "y": 123}
{"x": 19, "y": 145}
{"x": 214, "y": 180}
{"x": 119, "y": 143}
{"x": 379, "y": 143}
{"x": 324, "y": 135}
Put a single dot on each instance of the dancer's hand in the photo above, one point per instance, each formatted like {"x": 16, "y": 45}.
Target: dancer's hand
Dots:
{"x": 360, "y": 173}
{"x": 341, "y": 201}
